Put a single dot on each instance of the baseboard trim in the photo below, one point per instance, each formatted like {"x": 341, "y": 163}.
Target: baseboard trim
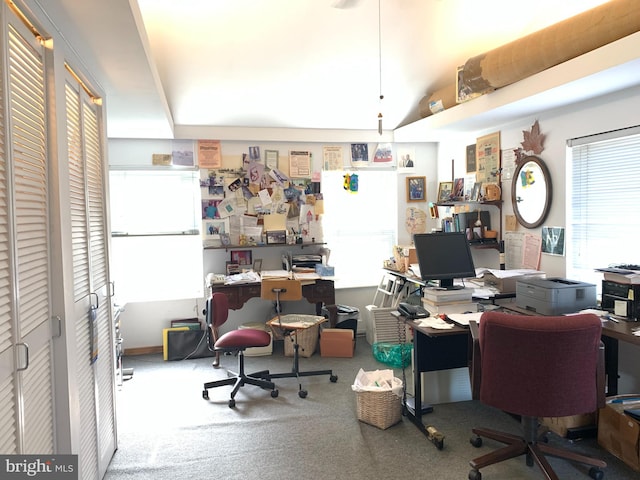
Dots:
{"x": 142, "y": 350}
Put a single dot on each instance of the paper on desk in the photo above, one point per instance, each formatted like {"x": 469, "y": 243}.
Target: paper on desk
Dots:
{"x": 464, "y": 318}
{"x": 245, "y": 277}
{"x": 434, "y": 322}
{"x": 274, "y": 274}
{"x": 305, "y": 276}
{"x": 485, "y": 292}
{"x": 515, "y": 272}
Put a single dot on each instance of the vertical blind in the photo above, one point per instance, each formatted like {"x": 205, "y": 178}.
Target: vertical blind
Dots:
{"x": 603, "y": 201}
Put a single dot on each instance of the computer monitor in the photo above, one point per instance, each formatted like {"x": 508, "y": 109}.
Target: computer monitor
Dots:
{"x": 444, "y": 256}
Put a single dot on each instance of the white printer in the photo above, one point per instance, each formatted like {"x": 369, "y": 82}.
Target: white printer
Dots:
{"x": 554, "y": 296}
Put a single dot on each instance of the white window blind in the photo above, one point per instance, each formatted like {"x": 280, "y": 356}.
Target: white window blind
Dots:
{"x": 603, "y": 203}
{"x": 359, "y": 228}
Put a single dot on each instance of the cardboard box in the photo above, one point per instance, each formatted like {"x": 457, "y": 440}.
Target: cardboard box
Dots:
{"x": 337, "y": 342}
{"x": 561, "y": 425}
{"x": 618, "y": 433}
{"x": 508, "y": 284}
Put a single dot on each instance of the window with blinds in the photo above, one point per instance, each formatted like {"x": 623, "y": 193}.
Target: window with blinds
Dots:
{"x": 602, "y": 203}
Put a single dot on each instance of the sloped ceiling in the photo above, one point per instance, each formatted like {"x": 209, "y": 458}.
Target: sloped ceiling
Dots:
{"x": 312, "y": 64}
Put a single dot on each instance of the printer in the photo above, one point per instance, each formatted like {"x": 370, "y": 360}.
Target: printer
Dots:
{"x": 554, "y": 296}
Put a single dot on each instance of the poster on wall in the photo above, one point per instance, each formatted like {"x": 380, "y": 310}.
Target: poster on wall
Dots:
{"x": 299, "y": 164}
{"x": 332, "y": 158}
{"x": 471, "y": 159}
{"x": 488, "y": 158}
{"x": 209, "y": 154}
{"x": 553, "y": 240}
{"x": 182, "y": 153}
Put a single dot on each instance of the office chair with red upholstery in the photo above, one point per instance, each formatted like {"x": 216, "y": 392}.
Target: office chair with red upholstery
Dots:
{"x": 532, "y": 367}
{"x": 234, "y": 342}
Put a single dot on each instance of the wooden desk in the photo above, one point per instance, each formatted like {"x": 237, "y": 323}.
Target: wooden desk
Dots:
{"x": 321, "y": 292}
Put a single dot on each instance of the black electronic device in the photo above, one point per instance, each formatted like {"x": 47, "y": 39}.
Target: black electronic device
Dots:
{"x": 412, "y": 311}
{"x": 622, "y": 298}
{"x": 444, "y": 256}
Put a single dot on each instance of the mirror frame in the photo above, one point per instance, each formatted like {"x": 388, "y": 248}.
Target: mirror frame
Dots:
{"x": 546, "y": 177}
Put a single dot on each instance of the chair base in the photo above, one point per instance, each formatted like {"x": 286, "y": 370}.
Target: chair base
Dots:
{"x": 529, "y": 446}
{"x": 259, "y": 379}
{"x": 295, "y": 372}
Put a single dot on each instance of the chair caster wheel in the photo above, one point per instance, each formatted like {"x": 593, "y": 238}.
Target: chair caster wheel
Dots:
{"x": 205, "y": 394}
{"x": 476, "y": 441}
{"x": 232, "y": 403}
{"x": 475, "y": 475}
{"x": 302, "y": 394}
{"x": 274, "y": 393}
{"x": 596, "y": 473}
{"x": 333, "y": 378}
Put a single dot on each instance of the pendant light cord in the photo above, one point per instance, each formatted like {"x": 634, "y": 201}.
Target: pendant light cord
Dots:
{"x": 380, "y": 64}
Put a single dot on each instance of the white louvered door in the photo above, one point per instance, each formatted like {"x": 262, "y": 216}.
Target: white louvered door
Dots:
{"x": 26, "y": 401}
{"x": 88, "y": 217}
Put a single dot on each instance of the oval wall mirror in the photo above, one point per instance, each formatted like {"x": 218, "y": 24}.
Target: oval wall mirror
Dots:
{"x": 531, "y": 191}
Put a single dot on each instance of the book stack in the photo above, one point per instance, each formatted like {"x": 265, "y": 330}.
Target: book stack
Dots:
{"x": 448, "y": 301}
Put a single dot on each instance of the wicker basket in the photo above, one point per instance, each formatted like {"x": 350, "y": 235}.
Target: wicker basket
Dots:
{"x": 307, "y": 341}
{"x": 307, "y": 337}
{"x": 380, "y": 409}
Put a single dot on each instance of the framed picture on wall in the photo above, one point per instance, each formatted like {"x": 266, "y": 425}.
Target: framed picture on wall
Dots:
{"x": 241, "y": 257}
{"x": 416, "y": 189}
{"x": 276, "y": 236}
{"x": 445, "y": 190}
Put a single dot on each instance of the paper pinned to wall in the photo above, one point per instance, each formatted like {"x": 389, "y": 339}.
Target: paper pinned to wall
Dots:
{"x": 522, "y": 250}
{"x": 274, "y": 221}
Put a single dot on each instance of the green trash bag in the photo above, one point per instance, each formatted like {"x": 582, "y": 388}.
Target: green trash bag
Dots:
{"x": 396, "y": 355}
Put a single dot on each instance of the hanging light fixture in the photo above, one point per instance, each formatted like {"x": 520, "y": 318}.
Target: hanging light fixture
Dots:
{"x": 380, "y": 66}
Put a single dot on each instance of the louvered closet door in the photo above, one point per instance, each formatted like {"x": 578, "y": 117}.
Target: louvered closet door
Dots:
{"x": 26, "y": 408}
{"x": 87, "y": 197}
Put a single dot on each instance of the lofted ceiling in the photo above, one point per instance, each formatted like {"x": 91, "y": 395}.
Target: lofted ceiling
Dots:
{"x": 310, "y": 64}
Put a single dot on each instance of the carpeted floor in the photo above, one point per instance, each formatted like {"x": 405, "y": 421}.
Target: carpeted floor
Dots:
{"x": 166, "y": 430}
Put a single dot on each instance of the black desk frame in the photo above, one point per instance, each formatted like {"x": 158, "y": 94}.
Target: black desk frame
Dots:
{"x": 433, "y": 350}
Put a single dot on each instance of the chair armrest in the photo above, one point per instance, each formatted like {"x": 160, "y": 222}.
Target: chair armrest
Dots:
{"x": 600, "y": 378}
{"x": 474, "y": 360}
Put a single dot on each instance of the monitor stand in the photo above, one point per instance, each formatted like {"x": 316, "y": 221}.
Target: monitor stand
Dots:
{"x": 448, "y": 285}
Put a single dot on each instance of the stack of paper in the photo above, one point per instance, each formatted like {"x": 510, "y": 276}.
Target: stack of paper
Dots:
{"x": 274, "y": 274}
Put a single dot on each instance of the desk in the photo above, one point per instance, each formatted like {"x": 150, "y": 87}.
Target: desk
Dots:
{"x": 446, "y": 349}
{"x": 434, "y": 349}
{"x": 320, "y": 292}
{"x": 612, "y": 332}
{"x": 409, "y": 279}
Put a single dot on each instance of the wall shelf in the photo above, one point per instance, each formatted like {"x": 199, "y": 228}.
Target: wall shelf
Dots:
{"x": 265, "y": 245}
